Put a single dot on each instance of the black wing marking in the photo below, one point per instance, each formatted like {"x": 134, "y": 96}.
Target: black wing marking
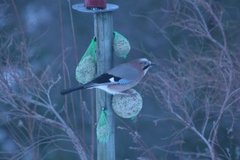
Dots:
{"x": 106, "y": 78}
{"x": 147, "y": 66}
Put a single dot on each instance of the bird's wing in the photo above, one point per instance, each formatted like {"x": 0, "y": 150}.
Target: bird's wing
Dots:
{"x": 109, "y": 78}
{"x": 125, "y": 71}
{"x": 106, "y": 79}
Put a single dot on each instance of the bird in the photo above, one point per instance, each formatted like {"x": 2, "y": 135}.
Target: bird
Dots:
{"x": 118, "y": 79}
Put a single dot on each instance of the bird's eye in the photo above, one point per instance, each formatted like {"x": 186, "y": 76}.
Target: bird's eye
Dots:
{"x": 145, "y": 63}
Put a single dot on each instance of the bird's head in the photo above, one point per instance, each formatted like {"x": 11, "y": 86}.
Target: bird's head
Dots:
{"x": 145, "y": 64}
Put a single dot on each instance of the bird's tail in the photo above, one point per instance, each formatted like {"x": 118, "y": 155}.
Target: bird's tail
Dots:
{"x": 69, "y": 90}
{"x": 85, "y": 86}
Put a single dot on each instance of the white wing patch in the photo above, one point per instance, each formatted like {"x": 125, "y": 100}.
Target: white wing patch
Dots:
{"x": 121, "y": 81}
{"x": 112, "y": 79}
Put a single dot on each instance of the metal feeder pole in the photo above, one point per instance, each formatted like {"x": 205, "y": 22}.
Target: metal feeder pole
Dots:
{"x": 103, "y": 30}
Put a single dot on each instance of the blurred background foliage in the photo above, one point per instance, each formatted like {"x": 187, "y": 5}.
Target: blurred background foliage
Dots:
{"x": 191, "y": 108}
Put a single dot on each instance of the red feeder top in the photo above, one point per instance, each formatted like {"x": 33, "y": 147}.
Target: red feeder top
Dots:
{"x": 89, "y": 4}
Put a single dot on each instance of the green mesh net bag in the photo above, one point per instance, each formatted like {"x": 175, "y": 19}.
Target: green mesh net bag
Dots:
{"x": 127, "y": 105}
{"x": 103, "y": 128}
{"x": 86, "y": 68}
{"x": 121, "y": 46}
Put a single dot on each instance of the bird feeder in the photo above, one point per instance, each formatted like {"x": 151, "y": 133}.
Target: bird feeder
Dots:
{"x": 121, "y": 46}
{"x": 97, "y": 60}
{"x": 127, "y": 105}
{"x": 86, "y": 68}
{"x": 103, "y": 31}
{"x": 91, "y": 4}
